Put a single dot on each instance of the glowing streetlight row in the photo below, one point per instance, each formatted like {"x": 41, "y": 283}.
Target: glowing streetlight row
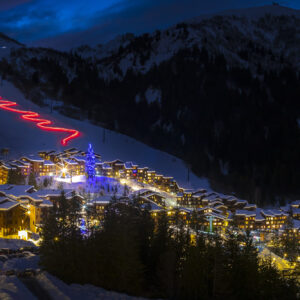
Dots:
{"x": 43, "y": 124}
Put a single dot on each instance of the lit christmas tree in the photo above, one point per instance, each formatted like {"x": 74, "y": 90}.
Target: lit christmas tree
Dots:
{"x": 90, "y": 163}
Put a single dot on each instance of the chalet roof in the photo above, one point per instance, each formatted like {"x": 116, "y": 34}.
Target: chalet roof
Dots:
{"x": 242, "y": 212}
{"x": 17, "y": 190}
{"x": 188, "y": 191}
{"x": 296, "y": 202}
{"x": 34, "y": 158}
{"x": 6, "y": 166}
{"x": 273, "y": 212}
{"x": 70, "y": 161}
{"x": 128, "y": 165}
{"x": 19, "y": 164}
{"x": 213, "y": 209}
{"x": 7, "y": 203}
{"x": 187, "y": 210}
{"x": 46, "y": 203}
{"x": 49, "y": 163}
{"x": 153, "y": 206}
{"x": 215, "y": 215}
{"x": 258, "y": 216}
{"x": 79, "y": 158}
{"x": 155, "y": 194}
{"x": 296, "y": 210}
{"x": 296, "y": 224}
{"x": 101, "y": 200}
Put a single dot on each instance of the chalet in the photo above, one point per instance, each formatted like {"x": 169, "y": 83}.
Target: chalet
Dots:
{"x": 150, "y": 179}
{"x": 217, "y": 220}
{"x": 21, "y": 167}
{"x": 260, "y": 220}
{"x": 156, "y": 198}
{"x": 275, "y": 219}
{"x": 4, "y": 170}
{"x": 13, "y": 217}
{"x": 129, "y": 171}
{"x": 240, "y": 204}
{"x": 105, "y": 170}
{"x": 36, "y": 164}
{"x": 142, "y": 174}
{"x": 185, "y": 198}
{"x": 295, "y": 204}
{"x": 72, "y": 167}
{"x": 245, "y": 219}
{"x": 116, "y": 166}
{"x": 251, "y": 207}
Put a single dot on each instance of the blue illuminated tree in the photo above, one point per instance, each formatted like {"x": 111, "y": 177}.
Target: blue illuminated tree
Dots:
{"x": 90, "y": 163}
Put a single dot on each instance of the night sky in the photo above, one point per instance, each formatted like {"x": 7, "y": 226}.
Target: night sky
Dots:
{"x": 66, "y": 23}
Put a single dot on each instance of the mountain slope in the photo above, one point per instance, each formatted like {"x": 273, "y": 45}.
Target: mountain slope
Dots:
{"x": 222, "y": 93}
{"x": 22, "y": 137}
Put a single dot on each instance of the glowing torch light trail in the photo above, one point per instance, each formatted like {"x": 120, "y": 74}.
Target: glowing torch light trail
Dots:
{"x": 43, "y": 124}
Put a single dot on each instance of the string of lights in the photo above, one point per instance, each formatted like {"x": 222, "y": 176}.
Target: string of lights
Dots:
{"x": 43, "y": 124}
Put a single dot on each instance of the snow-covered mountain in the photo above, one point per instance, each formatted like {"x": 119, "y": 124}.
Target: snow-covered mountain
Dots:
{"x": 220, "y": 91}
{"x": 7, "y": 44}
{"x": 269, "y": 31}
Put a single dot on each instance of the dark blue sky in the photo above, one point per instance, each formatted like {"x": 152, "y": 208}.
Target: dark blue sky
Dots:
{"x": 65, "y": 23}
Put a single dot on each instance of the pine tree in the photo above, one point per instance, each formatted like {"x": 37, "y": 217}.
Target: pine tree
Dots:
{"x": 90, "y": 163}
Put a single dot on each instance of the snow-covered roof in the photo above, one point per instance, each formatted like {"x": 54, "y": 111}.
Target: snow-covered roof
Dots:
{"x": 296, "y": 210}
{"x": 258, "y": 216}
{"x": 6, "y": 203}
{"x": 46, "y": 203}
{"x": 296, "y": 203}
{"x": 184, "y": 209}
{"x": 34, "y": 158}
{"x": 17, "y": 190}
{"x": 79, "y": 158}
{"x": 273, "y": 212}
{"x": 101, "y": 200}
{"x": 70, "y": 161}
{"x": 153, "y": 206}
{"x": 19, "y": 164}
{"x": 242, "y": 212}
{"x": 106, "y": 166}
{"x": 49, "y": 163}
{"x": 128, "y": 165}
{"x": 296, "y": 224}
{"x": 215, "y": 215}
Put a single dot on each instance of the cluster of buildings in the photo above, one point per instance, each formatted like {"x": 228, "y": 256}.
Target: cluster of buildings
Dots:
{"x": 22, "y": 207}
{"x": 71, "y": 162}
{"x": 219, "y": 211}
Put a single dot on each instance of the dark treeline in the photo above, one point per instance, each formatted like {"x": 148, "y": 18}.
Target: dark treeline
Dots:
{"x": 240, "y": 130}
{"x": 130, "y": 253}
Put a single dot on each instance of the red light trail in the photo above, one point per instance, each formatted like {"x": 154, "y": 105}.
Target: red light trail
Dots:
{"x": 41, "y": 123}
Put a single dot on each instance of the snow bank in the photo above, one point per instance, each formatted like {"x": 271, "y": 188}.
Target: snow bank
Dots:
{"x": 59, "y": 290}
{"x": 11, "y": 288}
{"x": 14, "y": 243}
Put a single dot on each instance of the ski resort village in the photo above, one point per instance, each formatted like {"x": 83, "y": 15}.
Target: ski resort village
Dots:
{"x": 149, "y": 150}
{"x": 31, "y": 184}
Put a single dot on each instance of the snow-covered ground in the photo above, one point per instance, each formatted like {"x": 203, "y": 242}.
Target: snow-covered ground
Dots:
{"x": 13, "y": 288}
{"x": 59, "y": 290}
{"x": 14, "y": 244}
{"x": 23, "y": 137}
